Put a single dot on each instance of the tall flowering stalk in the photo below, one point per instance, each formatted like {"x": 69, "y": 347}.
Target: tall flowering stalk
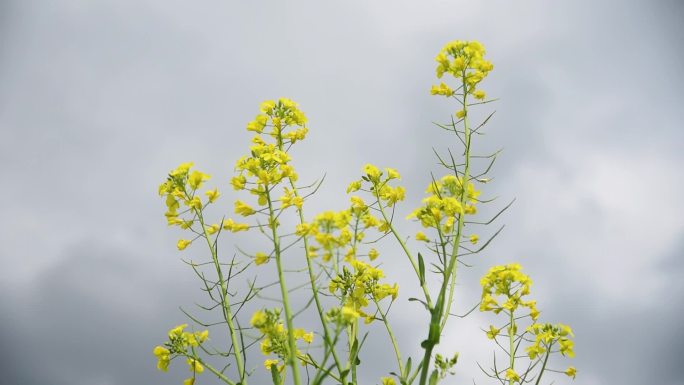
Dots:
{"x": 347, "y": 289}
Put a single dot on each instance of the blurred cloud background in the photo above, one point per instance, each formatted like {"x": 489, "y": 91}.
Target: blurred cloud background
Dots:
{"x": 98, "y": 100}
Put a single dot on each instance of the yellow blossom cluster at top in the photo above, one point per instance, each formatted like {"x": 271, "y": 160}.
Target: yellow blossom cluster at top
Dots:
{"x": 379, "y": 184}
{"x": 448, "y": 198}
{"x": 335, "y": 231}
{"x": 179, "y": 344}
{"x": 275, "y": 340}
{"x": 185, "y": 205}
{"x": 546, "y": 335}
{"x": 279, "y": 125}
{"x": 179, "y": 188}
{"x": 356, "y": 287}
{"x": 509, "y": 282}
{"x": 464, "y": 60}
{"x": 340, "y": 231}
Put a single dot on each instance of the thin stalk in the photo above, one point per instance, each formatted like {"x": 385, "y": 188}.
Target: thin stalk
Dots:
{"x": 314, "y": 288}
{"x": 292, "y": 359}
{"x": 546, "y": 359}
{"x": 439, "y": 313}
{"x": 461, "y": 218}
{"x": 391, "y": 336}
{"x": 423, "y": 285}
{"x": 216, "y": 372}
{"x": 511, "y": 341}
{"x": 353, "y": 353}
{"x": 227, "y": 313}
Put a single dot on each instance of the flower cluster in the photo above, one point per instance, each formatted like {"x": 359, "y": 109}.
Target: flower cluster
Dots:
{"x": 181, "y": 190}
{"x": 546, "y": 335}
{"x": 464, "y": 60}
{"x": 275, "y": 335}
{"x": 449, "y": 198}
{"x": 356, "y": 287}
{"x": 509, "y": 282}
{"x": 379, "y": 186}
{"x": 503, "y": 288}
{"x": 268, "y": 162}
{"x": 181, "y": 343}
{"x": 339, "y": 232}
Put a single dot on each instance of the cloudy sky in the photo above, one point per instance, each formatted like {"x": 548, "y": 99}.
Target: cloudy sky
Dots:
{"x": 99, "y": 99}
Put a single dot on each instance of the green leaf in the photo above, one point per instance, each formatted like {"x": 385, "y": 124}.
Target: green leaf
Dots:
{"x": 407, "y": 368}
{"x": 275, "y": 375}
{"x": 434, "y": 377}
{"x": 421, "y": 269}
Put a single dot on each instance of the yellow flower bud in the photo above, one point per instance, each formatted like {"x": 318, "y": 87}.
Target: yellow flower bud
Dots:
{"x": 183, "y": 243}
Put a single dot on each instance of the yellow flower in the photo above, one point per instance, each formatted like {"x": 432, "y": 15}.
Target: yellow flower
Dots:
{"x": 460, "y": 114}
{"x": 243, "y": 209}
{"x": 308, "y": 337}
{"x": 189, "y": 381}
{"x": 195, "y": 365}
{"x": 196, "y": 179}
{"x": 238, "y": 182}
{"x": 257, "y": 125}
{"x": 566, "y": 347}
{"x": 534, "y": 313}
{"x": 388, "y": 381}
{"x": 298, "y": 201}
{"x": 493, "y": 332}
{"x": 269, "y": 363}
{"x": 213, "y": 228}
{"x": 177, "y": 331}
{"x": 261, "y": 258}
{"x": 161, "y": 351}
{"x": 479, "y": 94}
{"x": 349, "y": 314}
{"x": 182, "y": 169}
{"x": 533, "y": 351}
{"x": 202, "y": 336}
{"x": 267, "y": 107}
{"x": 212, "y": 195}
{"x": 162, "y": 355}
{"x": 372, "y": 254}
{"x": 420, "y": 236}
{"x": 565, "y": 330}
{"x": 392, "y": 173}
{"x": 258, "y": 319}
{"x": 512, "y": 375}
{"x": 571, "y": 372}
{"x": 372, "y": 172}
{"x": 474, "y": 238}
{"x": 354, "y": 186}
{"x": 441, "y": 89}
{"x": 234, "y": 227}
{"x": 183, "y": 243}
{"x": 357, "y": 202}
{"x": 195, "y": 203}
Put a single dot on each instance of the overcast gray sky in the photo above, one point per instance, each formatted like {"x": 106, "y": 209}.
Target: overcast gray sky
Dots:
{"x": 99, "y": 99}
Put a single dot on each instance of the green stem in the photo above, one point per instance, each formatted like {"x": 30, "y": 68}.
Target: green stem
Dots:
{"x": 440, "y": 313}
{"x": 423, "y": 285}
{"x": 216, "y": 372}
{"x": 227, "y": 313}
{"x": 353, "y": 353}
{"x": 391, "y": 336}
{"x": 292, "y": 359}
{"x": 546, "y": 359}
{"x": 511, "y": 340}
{"x": 314, "y": 288}
{"x": 461, "y": 218}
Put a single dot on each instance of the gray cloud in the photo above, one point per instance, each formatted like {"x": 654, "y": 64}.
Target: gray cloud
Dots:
{"x": 100, "y": 100}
